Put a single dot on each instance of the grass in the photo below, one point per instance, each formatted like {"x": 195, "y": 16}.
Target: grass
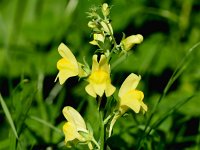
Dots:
{"x": 168, "y": 61}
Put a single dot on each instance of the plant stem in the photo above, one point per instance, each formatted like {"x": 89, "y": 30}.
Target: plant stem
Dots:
{"x": 102, "y": 131}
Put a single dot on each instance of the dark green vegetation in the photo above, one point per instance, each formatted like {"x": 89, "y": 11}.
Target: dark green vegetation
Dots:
{"x": 168, "y": 61}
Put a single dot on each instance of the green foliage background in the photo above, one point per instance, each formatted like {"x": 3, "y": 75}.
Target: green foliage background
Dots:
{"x": 30, "y": 32}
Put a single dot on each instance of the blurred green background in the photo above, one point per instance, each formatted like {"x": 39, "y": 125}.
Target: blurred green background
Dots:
{"x": 30, "y": 32}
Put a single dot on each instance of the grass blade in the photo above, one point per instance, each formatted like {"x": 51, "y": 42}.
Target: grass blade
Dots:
{"x": 45, "y": 123}
{"x": 178, "y": 71}
{"x": 169, "y": 112}
{"x": 8, "y": 116}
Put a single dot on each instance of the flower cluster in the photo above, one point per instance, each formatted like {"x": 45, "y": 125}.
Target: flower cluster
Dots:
{"x": 99, "y": 77}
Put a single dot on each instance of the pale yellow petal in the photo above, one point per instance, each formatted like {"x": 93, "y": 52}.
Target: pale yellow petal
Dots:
{"x": 130, "y": 41}
{"x": 90, "y": 90}
{"x": 94, "y": 42}
{"x": 74, "y": 117}
{"x": 66, "y": 70}
{"x": 70, "y": 132}
{"x": 132, "y": 99}
{"x": 63, "y": 75}
{"x": 98, "y": 37}
{"x": 130, "y": 83}
{"x": 64, "y": 64}
{"x": 99, "y": 88}
{"x": 95, "y": 64}
{"x": 110, "y": 89}
{"x": 106, "y": 27}
{"x": 65, "y": 52}
{"x": 103, "y": 64}
{"x": 134, "y": 104}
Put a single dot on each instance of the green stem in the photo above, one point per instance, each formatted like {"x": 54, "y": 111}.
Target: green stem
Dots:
{"x": 113, "y": 38}
{"x": 99, "y": 102}
{"x": 95, "y": 142}
{"x": 102, "y": 132}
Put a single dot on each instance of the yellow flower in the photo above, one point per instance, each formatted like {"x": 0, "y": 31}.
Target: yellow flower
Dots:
{"x": 129, "y": 96}
{"x": 97, "y": 37}
{"x": 68, "y": 65}
{"x": 130, "y": 41}
{"x": 99, "y": 80}
{"x": 107, "y": 28}
{"x": 74, "y": 125}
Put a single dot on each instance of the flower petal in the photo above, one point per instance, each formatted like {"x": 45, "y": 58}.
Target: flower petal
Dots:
{"x": 65, "y": 52}
{"x": 95, "y": 64}
{"x": 132, "y": 99}
{"x": 90, "y": 90}
{"x": 134, "y": 104}
{"x": 110, "y": 89}
{"x": 130, "y": 83}
{"x": 70, "y": 132}
{"x": 63, "y": 76}
{"x": 74, "y": 117}
{"x": 99, "y": 88}
{"x": 103, "y": 64}
{"x": 130, "y": 41}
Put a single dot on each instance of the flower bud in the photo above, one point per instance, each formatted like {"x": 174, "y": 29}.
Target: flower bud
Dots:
{"x": 107, "y": 27}
{"x": 105, "y": 9}
{"x": 92, "y": 24}
{"x": 130, "y": 41}
{"x": 97, "y": 38}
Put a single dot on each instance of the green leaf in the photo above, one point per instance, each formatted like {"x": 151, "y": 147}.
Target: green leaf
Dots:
{"x": 8, "y": 116}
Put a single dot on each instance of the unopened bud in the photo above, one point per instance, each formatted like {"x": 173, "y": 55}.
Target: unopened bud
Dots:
{"x": 130, "y": 41}
{"x": 92, "y": 24}
{"x": 107, "y": 27}
{"x": 97, "y": 38}
{"x": 105, "y": 9}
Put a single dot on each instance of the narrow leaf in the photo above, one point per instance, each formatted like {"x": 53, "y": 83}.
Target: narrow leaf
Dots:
{"x": 45, "y": 123}
{"x": 8, "y": 116}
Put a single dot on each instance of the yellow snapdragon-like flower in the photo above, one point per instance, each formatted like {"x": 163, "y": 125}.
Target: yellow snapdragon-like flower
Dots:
{"x": 74, "y": 125}
{"x": 107, "y": 28}
{"x": 99, "y": 79}
{"x": 97, "y": 37}
{"x": 129, "y": 96}
{"x": 68, "y": 65}
{"x": 130, "y": 41}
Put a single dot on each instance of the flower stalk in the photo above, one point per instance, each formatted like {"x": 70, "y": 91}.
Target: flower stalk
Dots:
{"x": 99, "y": 79}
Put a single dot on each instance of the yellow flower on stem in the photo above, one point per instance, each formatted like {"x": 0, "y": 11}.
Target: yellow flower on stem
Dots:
{"x": 129, "y": 96}
{"x": 68, "y": 65}
{"x": 75, "y": 128}
{"x": 130, "y": 41}
{"x": 74, "y": 125}
{"x": 99, "y": 79}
